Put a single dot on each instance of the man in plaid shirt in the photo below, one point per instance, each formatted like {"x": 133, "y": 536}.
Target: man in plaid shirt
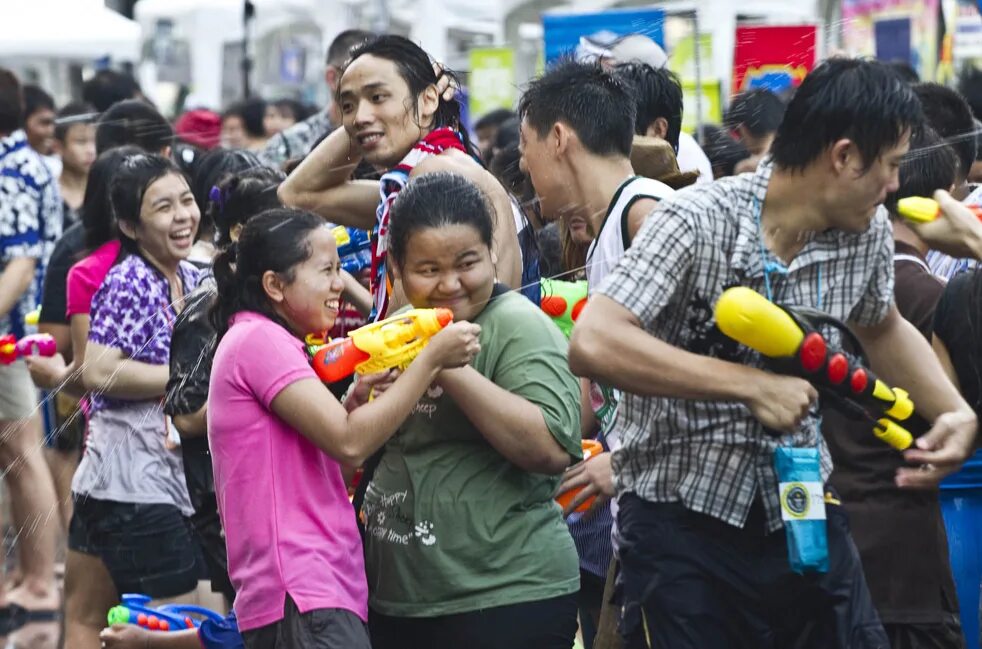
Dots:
{"x": 704, "y": 557}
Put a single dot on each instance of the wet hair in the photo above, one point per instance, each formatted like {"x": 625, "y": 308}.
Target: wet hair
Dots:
{"x": 133, "y": 122}
{"x": 109, "y": 87}
{"x": 760, "y": 111}
{"x": 550, "y": 250}
{"x": 72, "y": 114}
{"x": 658, "y": 93}
{"x": 928, "y": 166}
{"x": 415, "y": 68}
{"x": 241, "y": 196}
{"x": 11, "y": 102}
{"x": 340, "y": 48}
{"x": 208, "y": 170}
{"x": 96, "y": 213}
{"x": 251, "y": 112}
{"x": 36, "y": 99}
{"x": 862, "y": 100}
{"x": 597, "y": 104}
{"x": 133, "y": 177}
{"x": 905, "y": 71}
{"x": 950, "y": 115}
{"x": 434, "y": 201}
{"x": 276, "y": 240}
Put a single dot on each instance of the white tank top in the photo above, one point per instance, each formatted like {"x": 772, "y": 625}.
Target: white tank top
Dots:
{"x": 611, "y": 243}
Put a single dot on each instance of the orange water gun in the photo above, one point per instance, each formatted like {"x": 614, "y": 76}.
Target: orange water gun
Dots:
{"x": 591, "y": 448}
{"x": 790, "y": 341}
{"x": 390, "y": 343}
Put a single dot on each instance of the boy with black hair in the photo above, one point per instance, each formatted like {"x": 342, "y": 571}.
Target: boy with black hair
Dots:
{"x": 578, "y": 125}
{"x": 864, "y": 466}
{"x": 242, "y": 125}
{"x": 134, "y": 122}
{"x": 39, "y": 119}
{"x": 30, "y": 222}
{"x": 705, "y": 561}
{"x": 74, "y": 139}
{"x": 486, "y": 130}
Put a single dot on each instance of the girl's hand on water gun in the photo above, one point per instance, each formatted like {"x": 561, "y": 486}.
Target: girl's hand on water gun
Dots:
{"x": 124, "y": 636}
{"x": 454, "y": 346}
{"x": 47, "y": 372}
{"x": 370, "y": 385}
{"x": 595, "y": 476}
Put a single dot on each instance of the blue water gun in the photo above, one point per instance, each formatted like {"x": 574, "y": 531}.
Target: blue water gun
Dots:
{"x": 354, "y": 249}
{"x": 135, "y": 609}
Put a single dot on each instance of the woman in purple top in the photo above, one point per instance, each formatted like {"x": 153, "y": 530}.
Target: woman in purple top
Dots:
{"x": 128, "y": 533}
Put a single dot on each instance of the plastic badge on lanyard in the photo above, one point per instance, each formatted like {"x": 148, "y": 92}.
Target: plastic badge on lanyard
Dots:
{"x": 802, "y": 508}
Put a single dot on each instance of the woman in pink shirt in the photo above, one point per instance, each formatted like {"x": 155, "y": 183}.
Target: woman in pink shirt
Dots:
{"x": 278, "y": 436}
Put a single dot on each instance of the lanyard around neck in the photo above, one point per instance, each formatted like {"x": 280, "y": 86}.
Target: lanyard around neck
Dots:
{"x": 773, "y": 265}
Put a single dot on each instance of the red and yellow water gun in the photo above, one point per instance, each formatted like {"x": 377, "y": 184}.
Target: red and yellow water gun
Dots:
{"x": 792, "y": 344}
{"x": 390, "y": 343}
{"x": 37, "y": 344}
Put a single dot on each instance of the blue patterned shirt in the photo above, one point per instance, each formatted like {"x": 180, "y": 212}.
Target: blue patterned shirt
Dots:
{"x": 30, "y": 219}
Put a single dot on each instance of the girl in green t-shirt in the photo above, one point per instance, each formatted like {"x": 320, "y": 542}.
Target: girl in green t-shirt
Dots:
{"x": 465, "y": 546}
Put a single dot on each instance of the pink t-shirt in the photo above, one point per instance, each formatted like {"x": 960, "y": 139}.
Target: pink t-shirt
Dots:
{"x": 86, "y": 276}
{"x": 289, "y": 526}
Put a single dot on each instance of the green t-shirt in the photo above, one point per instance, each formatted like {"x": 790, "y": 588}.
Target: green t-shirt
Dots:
{"x": 451, "y": 525}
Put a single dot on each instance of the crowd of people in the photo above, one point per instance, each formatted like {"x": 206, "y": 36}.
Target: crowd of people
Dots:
{"x": 182, "y": 446}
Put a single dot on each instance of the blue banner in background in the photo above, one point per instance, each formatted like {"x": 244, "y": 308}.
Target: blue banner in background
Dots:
{"x": 562, "y": 31}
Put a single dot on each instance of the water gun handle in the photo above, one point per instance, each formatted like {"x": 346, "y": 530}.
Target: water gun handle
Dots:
{"x": 893, "y": 434}
{"x": 591, "y": 449}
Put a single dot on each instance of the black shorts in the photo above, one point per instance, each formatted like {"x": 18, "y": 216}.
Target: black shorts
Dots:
{"x": 691, "y": 581}
{"x": 542, "y": 624}
{"x": 322, "y": 628}
{"x": 148, "y": 549}
{"x": 208, "y": 528}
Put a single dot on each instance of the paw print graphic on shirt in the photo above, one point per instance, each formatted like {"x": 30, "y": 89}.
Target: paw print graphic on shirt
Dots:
{"x": 424, "y": 532}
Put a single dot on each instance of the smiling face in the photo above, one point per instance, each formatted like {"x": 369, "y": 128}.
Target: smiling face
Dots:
{"x": 540, "y": 162}
{"x": 450, "y": 267}
{"x": 40, "y": 129}
{"x": 168, "y": 221}
{"x": 377, "y": 110}
{"x": 310, "y": 302}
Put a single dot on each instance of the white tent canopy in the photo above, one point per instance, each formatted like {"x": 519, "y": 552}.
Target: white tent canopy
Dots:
{"x": 75, "y": 29}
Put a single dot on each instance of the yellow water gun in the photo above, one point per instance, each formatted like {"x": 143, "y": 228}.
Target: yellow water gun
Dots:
{"x": 792, "y": 344}
{"x": 390, "y": 343}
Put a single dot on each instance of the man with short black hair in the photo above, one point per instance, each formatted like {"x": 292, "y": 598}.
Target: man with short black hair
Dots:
{"x": 298, "y": 140}
{"x": 39, "y": 119}
{"x": 705, "y": 561}
{"x": 753, "y": 117}
{"x": 486, "y": 130}
{"x": 30, "y": 222}
{"x": 658, "y": 97}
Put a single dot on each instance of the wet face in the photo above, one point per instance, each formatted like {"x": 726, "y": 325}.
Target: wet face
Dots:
{"x": 311, "y": 301}
{"x": 539, "y": 161}
{"x": 234, "y": 133}
{"x": 40, "y": 129}
{"x": 377, "y": 110}
{"x": 168, "y": 221}
{"x": 449, "y": 267}
{"x": 78, "y": 149}
{"x": 863, "y": 190}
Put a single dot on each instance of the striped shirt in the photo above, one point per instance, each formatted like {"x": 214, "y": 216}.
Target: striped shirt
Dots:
{"x": 713, "y": 456}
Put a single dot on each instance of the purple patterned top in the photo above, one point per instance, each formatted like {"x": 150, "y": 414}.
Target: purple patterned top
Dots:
{"x": 132, "y": 312}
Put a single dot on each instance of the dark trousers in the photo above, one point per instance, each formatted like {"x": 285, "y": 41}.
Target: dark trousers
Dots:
{"x": 691, "y": 581}
{"x": 545, "y": 624}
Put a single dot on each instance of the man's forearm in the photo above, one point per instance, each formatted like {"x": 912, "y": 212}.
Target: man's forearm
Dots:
{"x": 901, "y": 356}
{"x": 623, "y": 355}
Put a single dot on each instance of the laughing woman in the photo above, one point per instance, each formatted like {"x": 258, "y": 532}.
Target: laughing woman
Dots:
{"x": 128, "y": 532}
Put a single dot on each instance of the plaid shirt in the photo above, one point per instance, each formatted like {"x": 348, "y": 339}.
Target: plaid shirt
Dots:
{"x": 714, "y": 456}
